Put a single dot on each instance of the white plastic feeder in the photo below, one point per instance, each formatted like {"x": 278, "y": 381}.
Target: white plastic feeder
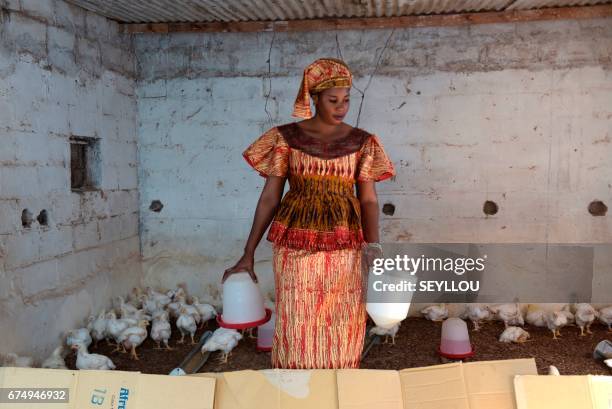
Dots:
{"x": 243, "y": 303}
{"x": 455, "y": 342}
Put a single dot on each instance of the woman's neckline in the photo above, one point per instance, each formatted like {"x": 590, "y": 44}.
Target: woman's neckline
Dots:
{"x": 323, "y": 141}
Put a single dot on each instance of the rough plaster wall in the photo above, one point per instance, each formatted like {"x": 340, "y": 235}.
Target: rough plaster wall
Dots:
{"x": 63, "y": 71}
{"x": 514, "y": 113}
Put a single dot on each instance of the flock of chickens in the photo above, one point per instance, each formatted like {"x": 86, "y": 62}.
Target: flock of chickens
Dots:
{"x": 582, "y": 315}
{"x": 146, "y": 307}
{"x": 130, "y": 330}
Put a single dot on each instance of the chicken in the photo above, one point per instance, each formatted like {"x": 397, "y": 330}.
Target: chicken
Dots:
{"x": 510, "y": 314}
{"x": 114, "y": 327}
{"x": 224, "y": 340}
{"x": 132, "y": 337}
{"x": 186, "y": 323}
{"x": 476, "y": 314}
{"x": 15, "y": 360}
{"x": 55, "y": 360}
{"x": 605, "y": 316}
{"x": 206, "y": 311}
{"x": 161, "y": 299}
{"x": 160, "y": 330}
{"x": 150, "y": 305}
{"x": 124, "y": 308}
{"x": 552, "y": 370}
{"x": 391, "y": 332}
{"x": 608, "y": 362}
{"x": 175, "y": 307}
{"x": 78, "y": 336}
{"x": 435, "y": 312}
{"x": 137, "y": 315}
{"x": 585, "y": 315}
{"x": 85, "y": 360}
{"x": 97, "y": 327}
{"x": 514, "y": 334}
{"x": 134, "y": 297}
{"x": 554, "y": 321}
{"x": 568, "y": 314}
{"x": 535, "y": 316}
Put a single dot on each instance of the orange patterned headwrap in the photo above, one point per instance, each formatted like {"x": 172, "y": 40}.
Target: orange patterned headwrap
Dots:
{"x": 322, "y": 74}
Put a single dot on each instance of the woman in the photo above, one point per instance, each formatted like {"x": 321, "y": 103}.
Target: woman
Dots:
{"x": 320, "y": 228}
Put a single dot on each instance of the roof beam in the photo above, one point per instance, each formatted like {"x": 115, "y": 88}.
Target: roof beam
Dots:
{"x": 440, "y": 20}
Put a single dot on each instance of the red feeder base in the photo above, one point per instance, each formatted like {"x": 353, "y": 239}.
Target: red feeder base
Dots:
{"x": 245, "y": 325}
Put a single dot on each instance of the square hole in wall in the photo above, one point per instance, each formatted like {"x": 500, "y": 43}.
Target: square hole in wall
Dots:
{"x": 84, "y": 163}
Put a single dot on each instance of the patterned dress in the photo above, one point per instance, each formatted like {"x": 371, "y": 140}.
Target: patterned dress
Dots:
{"x": 317, "y": 240}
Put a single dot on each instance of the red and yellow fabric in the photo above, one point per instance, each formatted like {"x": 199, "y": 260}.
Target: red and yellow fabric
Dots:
{"x": 320, "y": 211}
{"x": 320, "y": 309}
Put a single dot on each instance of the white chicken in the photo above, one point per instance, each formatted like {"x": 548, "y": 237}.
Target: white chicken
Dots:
{"x": 124, "y": 308}
{"x": 137, "y": 315}
{"x": 435, "y": 312}
{"x": 391, "y": 332}
{"x": 134, "y": 297}
{"x": 150, "y": 305}
{"x": 97, "y": 327}
{"x": 55, "y": 360}
{"x": 568, "y": 314}
{"x": 132, "y": 337}
{"x": 476, "y": 313}
{"x": 115, "y": 326}
{"x": 78, "y": 336}
{"x": 206, "y": 311}
{"x": 85, "y": 360}
{"x": 15, "y": 360}
{"x": 186, "y": 324}
{"x": 510, "y": 314}
{"x": 224, "y": 340}
{"x": 160, "y": 330}
{"x": 514, "y": 334}
{"x": 584, "y": 316}
{"x": 554, "y": 321}
{"x": 535, "y": 316}
{"x": 160, "y": 298}
{"x": 605, "y": 316}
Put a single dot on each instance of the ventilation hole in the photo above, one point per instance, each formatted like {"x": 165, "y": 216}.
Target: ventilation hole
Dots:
{"x": 43, "y": 218}
{"x": 598, "y": 208}
{"x": 388, "y": 209}
{"x": 490, "y": 207}
{"x": 156, "y": 206}
{"x": 26, "y": 218}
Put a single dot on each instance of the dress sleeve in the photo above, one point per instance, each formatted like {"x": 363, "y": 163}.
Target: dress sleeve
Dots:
{"x": 268, "y": 154}
{"x": 374, "y": 164}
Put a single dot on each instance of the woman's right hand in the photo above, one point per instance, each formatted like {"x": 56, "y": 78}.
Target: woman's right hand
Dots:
{"x": 244, "y": 264}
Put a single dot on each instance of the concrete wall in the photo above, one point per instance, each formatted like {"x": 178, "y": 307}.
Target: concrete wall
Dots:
{"x": 63, "y": 72}
{"x": 518, "y": 114}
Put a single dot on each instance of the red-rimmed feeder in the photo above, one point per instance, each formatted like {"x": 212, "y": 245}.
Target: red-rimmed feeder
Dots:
{"x": 243, "y": 303}
{"x": 455, "y": 341}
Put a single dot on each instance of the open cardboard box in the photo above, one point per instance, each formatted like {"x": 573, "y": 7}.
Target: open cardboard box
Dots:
{"x": 111, "y": 389}
{"x": 474, "y": 385}
{"x": 563, "y": 392}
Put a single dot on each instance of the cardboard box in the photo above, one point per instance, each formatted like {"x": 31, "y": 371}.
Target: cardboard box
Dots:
{"x": 563, "y": 392}
{"x": 475, "y": 385}
{"x": 111, "y": 389}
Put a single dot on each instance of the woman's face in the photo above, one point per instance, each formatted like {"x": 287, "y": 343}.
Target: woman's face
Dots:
{"x": 333, "y": 104}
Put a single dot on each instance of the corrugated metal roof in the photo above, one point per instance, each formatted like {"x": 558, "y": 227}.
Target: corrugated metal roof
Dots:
{"x": 175, "y": 11}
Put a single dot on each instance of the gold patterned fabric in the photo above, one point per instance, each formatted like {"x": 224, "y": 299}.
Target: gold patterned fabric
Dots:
{"x": 322, "y": 74}
{"x": 320, "y": 211}
{"x": 320, "y": 309}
